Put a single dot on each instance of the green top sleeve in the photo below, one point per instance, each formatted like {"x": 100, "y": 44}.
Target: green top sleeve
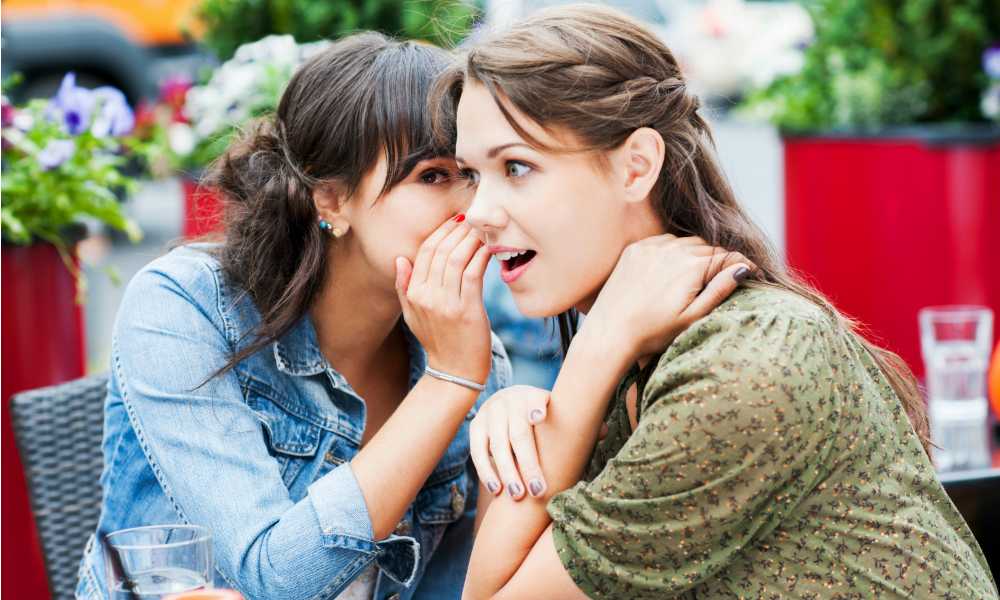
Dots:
{"x": 734, "y": 422}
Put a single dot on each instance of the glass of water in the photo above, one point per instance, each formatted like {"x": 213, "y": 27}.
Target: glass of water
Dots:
{"x": 150, "y": 563}
{"x": 956, "y": 343}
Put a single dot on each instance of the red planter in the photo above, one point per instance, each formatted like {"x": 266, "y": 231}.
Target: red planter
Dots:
{"x": 202, "y": 209}
{"x": 42, "y": 344}
{"x": 888, "y": 225}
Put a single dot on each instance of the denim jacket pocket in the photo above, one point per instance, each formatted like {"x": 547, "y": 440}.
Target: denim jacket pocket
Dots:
{"x": 442, "y": 500}
{"x": 291, "y": 440}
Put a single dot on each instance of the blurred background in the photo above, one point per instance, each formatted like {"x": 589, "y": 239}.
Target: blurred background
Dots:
{"x": 863, "y": 136}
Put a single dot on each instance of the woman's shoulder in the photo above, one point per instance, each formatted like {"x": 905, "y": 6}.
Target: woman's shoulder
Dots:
{"x": 758, "y": 332}
{"x": 757, "y": 319}
{"x": 757, "y": 300}
{"x": 186, "y": 276}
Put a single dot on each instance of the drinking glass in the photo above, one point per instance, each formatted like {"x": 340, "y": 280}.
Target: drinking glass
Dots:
{"x": 956, "y": 342}
{"x": 150, "y": 563}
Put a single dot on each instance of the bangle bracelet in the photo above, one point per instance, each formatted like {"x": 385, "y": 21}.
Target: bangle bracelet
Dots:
{"x": 466, "y": 383}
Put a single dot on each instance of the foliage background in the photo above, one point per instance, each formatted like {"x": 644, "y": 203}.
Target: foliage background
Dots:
{"x": 230, "y": 23}
{"x": 879, "y": 63}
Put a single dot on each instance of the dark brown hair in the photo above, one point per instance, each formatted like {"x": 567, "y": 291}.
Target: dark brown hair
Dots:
{"x": 600, "y": 74}
{"x": 364, "y": 95}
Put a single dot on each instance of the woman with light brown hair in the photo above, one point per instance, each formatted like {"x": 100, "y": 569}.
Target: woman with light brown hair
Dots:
{"x": 763, "y": 450}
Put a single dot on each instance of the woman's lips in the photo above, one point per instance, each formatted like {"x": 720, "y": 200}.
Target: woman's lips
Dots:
{"x": 510, "y": 275}
{"x": 513, "y": 261}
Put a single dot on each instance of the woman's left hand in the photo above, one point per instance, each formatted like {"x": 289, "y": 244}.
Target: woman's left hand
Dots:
{"x": 503, "y": 430}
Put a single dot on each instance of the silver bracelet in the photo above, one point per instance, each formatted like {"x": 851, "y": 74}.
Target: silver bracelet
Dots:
{"x": 467, "y": 383}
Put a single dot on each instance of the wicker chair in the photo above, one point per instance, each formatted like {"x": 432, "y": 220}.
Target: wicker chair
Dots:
{"x": 58, "y": 431}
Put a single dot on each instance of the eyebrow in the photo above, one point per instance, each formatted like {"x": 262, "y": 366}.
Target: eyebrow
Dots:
{"x": 497, "y": 150}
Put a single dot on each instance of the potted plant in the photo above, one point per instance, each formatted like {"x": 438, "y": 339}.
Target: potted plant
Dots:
{"x": 892, "y": 159}
{"x": 189, "y": 126}
{"x": 62, "y": 162}
{"x": 261, "y": 45}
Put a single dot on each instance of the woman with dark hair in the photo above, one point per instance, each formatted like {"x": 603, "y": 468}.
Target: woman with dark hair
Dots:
{"x": 267, "y": 388}
{"x": 765, "y": 450}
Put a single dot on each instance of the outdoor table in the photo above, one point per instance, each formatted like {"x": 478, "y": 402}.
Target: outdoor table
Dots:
{"x": 976, "y": 493}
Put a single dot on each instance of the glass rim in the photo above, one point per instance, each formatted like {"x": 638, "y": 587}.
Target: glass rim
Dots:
{"x": 203, "y": 535}
{"x": 954, "y": 312}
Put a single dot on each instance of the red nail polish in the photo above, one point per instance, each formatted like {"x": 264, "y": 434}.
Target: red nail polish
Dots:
{"x": 459, "y": 218}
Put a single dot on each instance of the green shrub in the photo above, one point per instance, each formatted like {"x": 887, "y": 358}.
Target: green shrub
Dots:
{"x": 877, "y": 63}
{"x": 230, "y": 23}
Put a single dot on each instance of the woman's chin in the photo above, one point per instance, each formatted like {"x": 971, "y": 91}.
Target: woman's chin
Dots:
{"x": 536, "y": 305}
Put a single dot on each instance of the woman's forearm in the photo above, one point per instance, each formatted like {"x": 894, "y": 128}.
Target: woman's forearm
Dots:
{"x": 426, "y": 422}
{"x": 565, "y": 441}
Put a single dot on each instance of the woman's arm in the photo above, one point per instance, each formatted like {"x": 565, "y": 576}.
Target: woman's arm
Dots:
{"x": 625, "y": 323}
{"x": 205, "y": 446}
{"x": 509, "y": 529}
{"x": 441, "y": 298}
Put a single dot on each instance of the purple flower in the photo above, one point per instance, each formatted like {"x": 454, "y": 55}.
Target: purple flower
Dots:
{"x": 56, "y": 153}
{"x": 114, "y": 117}
{"x": 8, "y": 113}
{"x": 991, "y": 61}
{"x": 74, "y": 104}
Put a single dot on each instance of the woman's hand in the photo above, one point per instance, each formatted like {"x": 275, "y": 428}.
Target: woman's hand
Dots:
{"x": 659, "y": 287}
{"x": 504, "y": 431}
{"x": 442, "y": 299}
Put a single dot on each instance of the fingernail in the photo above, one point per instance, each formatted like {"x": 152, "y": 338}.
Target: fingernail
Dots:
{"x": 514, "y": 489}
{"x": 536, "y": 487}
{"x": 535, "y": 415}
{"x": 741, "y": 274}
{"x": 459, "y": 218}
{"x": 493, "y": 487}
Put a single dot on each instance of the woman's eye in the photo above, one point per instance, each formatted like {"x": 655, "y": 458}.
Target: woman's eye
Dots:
{"x": 469, "y": 176}
{"x": 517, "y": 169}
{"x": 433, "y": 176}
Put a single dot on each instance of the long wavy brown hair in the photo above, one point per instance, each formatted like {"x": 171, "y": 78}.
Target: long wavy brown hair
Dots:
{"x": 363, "y": 96}
{"x": 602, "y": 75}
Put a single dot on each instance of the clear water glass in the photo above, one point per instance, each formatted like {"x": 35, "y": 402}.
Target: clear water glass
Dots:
{"x": 151, "y": 563}
{"x": 956, "y": 343}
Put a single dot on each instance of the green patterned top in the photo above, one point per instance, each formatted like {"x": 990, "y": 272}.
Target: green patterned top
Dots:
{"x": 771, "y": 460}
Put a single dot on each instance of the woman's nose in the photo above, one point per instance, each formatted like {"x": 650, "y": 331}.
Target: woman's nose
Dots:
{"x": 486, "y": 212}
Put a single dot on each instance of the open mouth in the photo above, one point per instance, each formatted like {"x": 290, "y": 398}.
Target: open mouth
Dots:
{"x": 513, "y": 263}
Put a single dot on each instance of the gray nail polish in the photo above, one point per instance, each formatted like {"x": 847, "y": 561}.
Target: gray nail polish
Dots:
{"x": 493, "y": 486}
{"x": 536, "y": 487}
{"x": 536, "y": 415}
{"x": 741, "y": 274}
{"x": 514, "y": 489}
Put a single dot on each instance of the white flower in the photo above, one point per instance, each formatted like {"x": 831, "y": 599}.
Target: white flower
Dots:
{"x": 991, "y": 102}
{"x": 23, "y": 121}
{"x": 181, "y": 138}
{"x": 245, "y": 83}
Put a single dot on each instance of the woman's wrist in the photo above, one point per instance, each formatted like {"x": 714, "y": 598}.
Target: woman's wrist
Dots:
{"x": 607, "y": 343}
{"x": 597, "y": 353}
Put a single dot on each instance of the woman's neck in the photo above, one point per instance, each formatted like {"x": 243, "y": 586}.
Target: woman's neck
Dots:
{"x": 355, "y": 320}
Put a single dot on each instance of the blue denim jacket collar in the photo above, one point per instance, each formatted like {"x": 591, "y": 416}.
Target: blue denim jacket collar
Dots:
{"x": 297, "y": 353}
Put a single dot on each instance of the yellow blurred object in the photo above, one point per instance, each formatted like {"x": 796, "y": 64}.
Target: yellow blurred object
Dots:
{"x": 145, "y": 22}
{"x": 994, "y": 381}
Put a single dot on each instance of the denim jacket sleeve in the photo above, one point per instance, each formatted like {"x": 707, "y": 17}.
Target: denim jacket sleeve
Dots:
{"x": 205, "y": 448}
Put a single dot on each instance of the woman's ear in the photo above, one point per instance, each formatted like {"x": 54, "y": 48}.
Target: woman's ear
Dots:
{"x": 330, "y": 204}
{"x": 640, "y": 159}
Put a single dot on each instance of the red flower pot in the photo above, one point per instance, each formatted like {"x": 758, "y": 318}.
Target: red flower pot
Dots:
{"x": 202, "y": 209}
{"x": 886, "y": 225}
{"x": 43, "y": 344}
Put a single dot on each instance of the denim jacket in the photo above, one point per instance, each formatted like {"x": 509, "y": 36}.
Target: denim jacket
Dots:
{"x": 261, "y": 455}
